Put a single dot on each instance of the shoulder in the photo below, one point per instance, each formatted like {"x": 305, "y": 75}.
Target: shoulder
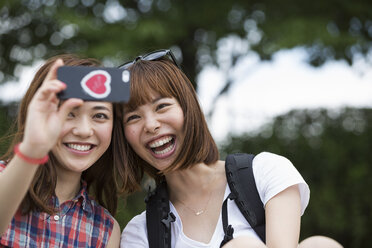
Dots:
{"x": 105, "y": 228}
{"x": 274, "y": 173}
{"x": 114, "y": 239}
{"x": 267, "y": 163}
{"x": 136, "y": 224}
{"x": 101, "y": 214}
{"x": 135, "y": 232}
{"x": 268, "y": 158}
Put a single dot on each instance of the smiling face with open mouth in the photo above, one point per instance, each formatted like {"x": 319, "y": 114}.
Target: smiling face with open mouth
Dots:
{"x": 162, "y": 146}
{"x": 86, "y": 135}
{"x": 155, "y": 130}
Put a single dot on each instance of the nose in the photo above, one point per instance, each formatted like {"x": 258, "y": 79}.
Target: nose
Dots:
{"x": 83, "y": 128}
{"x": 152, "y": 124}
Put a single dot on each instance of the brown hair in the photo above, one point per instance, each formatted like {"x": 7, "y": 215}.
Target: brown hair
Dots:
{"x": 164, "y": 77}
{"x": 105, "y": 178}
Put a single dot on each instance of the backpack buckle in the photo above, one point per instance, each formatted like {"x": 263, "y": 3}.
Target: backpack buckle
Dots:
{"x": 168, "y": 219}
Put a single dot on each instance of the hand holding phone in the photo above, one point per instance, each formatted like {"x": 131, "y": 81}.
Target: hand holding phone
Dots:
{"x": 95, "y": 83}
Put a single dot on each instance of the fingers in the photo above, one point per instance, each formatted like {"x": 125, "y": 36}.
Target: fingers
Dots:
{"x": 68, "y": 105}
{"x": 51, "y": 85}
{"x": 52, "y": 74}
{"x": 54, "y": 86}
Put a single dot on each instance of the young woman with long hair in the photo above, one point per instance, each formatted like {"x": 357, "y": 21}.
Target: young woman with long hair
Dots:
{"x": 60, "y": 179}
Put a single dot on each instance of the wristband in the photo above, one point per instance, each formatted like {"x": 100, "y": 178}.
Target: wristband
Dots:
{"x": 28, "y": 159}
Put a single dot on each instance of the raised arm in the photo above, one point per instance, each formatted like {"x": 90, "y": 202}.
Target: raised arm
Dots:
{"x": 43, "y": 125}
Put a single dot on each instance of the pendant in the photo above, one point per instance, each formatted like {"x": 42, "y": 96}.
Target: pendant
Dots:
{"x": 199, "y": 212}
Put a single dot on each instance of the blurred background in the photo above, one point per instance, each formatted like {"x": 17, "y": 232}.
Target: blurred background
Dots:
{"x": 290, "y": 77}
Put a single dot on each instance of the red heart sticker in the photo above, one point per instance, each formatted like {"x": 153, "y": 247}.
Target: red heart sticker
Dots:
{"x": 97, "y": 84}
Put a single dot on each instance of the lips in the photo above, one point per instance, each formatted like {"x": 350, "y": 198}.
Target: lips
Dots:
{"x": 162, "y": 146}
{"x": 79, "y": 147}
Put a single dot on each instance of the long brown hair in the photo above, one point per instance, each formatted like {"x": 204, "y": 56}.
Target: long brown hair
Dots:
{"x": 105, "y": 178}
{"x": 165, "y": 78}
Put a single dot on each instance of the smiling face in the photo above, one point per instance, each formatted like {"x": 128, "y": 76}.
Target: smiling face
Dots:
{"x": 180, "y": 137}
{"x": 85, "y": 136}
{"x": 154, "y": 130}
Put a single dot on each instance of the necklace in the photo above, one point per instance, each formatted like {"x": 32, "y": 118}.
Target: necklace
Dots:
{"x": 198, "y": 212}
{"x": 201, "y": 211}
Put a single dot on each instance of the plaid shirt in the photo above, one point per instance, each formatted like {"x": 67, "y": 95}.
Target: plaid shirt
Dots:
{"x": 81, "y": 222}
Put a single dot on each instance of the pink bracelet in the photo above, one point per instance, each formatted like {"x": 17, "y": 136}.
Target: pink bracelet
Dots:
{"x": 28, "y": 159}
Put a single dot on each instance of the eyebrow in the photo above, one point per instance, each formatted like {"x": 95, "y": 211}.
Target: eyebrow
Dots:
{"x": 101, "y": 108}
{"x": 157, "y": 99}
{"x": 126, "y": 109}
{"x": 95, "y": 108}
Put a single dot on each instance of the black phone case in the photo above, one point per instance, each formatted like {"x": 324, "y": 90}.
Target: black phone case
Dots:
{"x": 95, "y": 83}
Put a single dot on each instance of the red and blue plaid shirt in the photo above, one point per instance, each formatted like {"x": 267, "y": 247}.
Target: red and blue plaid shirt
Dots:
{"x": 81, "y": 222}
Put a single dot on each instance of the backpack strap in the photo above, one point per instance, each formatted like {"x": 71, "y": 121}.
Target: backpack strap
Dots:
{"x": 241, "y": 181}
{"x": 227, "y": 229}
{"x": 159, "y": 217}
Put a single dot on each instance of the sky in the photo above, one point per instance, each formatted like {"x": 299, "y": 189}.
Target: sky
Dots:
{"x": 14, "y": 90}
{"x": 261, "y": 90}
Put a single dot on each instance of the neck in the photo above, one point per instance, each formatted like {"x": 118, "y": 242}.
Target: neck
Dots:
{"x": 197, "y": 180}
{"x": 68, "y": 185}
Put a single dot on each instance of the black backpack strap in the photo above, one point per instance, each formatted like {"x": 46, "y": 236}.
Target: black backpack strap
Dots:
{"x": 227, "y": 229}
{"x": 241, "y": 181}
{"x": 159, "y": 217}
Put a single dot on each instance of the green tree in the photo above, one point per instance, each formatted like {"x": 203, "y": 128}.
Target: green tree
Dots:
{"x": 116, "y": 31}
{"x": 332, "y": 151}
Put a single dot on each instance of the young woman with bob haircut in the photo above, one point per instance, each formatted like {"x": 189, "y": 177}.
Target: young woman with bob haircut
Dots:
{"x": 198, "y": 144}
{"x": 166, "y": 136}
{"x": 60, "y": 179}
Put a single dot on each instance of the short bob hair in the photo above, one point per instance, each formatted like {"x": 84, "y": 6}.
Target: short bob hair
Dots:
{"x": 165, "y": 78}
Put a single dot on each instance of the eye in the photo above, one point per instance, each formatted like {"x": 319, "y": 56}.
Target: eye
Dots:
{"x": 131, "y": 118}
{"x": 162, "y": 105}
{"x": 101, "y": 116}
{"x": 70, "y": 115}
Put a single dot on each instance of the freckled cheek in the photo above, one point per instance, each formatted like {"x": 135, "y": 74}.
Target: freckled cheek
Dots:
{"x": 180, "y": 122}
{"x": 130, "y": 135}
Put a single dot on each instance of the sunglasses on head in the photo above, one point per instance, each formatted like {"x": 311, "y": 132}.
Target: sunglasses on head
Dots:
{"x": 155, "y": 55}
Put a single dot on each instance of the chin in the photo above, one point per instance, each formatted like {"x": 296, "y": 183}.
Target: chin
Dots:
{"x": 77, "y": 166}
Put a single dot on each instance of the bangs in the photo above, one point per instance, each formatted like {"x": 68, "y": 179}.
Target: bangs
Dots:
{"x": 163, "y": 78}
{"x": 148, "y": 80}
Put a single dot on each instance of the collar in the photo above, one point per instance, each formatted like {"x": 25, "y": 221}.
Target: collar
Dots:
{"x": 81, "y": 198}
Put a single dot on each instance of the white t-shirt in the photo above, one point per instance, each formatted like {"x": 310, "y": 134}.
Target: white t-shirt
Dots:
{"x": 272, "y": 173}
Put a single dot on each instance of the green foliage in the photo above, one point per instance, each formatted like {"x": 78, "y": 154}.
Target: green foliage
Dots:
{"x": 116, "y": 31}
{"x": 332, "y": 150}
{"x": 130, "y": 207}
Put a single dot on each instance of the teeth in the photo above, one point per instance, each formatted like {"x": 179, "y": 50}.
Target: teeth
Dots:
{"x": 160, "y": 142}
{"x": 79, "y": 147}
{"x": 165, "y": 150}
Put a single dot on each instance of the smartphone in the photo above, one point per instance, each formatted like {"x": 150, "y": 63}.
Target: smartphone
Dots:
{"x": 95, "y": 83}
